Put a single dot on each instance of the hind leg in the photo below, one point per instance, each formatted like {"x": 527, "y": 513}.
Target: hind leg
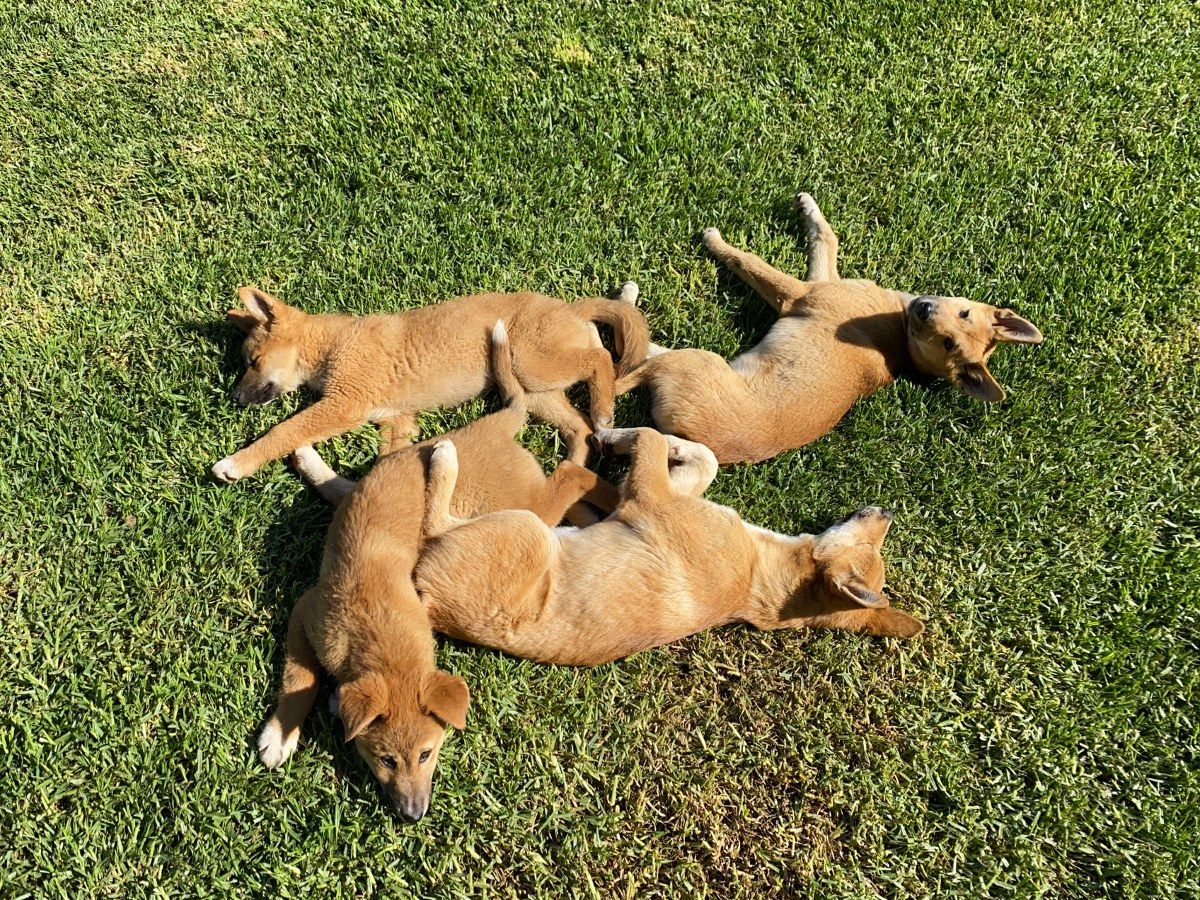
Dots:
{"x": 822, "y": 241}
{"x": 566, "y": 487}
{"x": 693, "y": 466}
{"x": 553, "y": 408}
{"x": 397, "y": 432}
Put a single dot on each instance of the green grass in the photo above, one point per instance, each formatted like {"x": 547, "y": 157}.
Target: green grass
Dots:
{"x": 1040, "y": 738}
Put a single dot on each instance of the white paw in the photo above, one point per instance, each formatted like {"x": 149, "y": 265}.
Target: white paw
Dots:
{"x": 499, "y": 332}
{"x": 305, "y": 455}
{"x": 445, "y": 451}
{"x": 273, "y": 750}
{"x": 710, "y": 236}
{"x": 226, "y": 470}
{"x": 628, "y": 293}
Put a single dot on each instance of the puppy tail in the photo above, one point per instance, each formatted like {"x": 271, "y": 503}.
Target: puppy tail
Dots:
{"x": 626, "y": 320}
{"x": 511, "y": 391}
{"x": 329, "y": 484}
{"x": 635, "y": 379}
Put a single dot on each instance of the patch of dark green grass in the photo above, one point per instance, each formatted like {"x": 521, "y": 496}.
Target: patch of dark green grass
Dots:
{"x": 1039, "y": 739}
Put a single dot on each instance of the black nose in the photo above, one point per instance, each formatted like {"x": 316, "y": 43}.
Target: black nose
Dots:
{"x": 923, "y": 307}
{"x": 409, "y": 811}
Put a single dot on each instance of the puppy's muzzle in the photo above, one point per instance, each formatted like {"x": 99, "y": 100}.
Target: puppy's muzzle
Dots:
{"x": 922, "y": 308}
{"x": 410, "y": 809}
{"x": 250, "y": 395}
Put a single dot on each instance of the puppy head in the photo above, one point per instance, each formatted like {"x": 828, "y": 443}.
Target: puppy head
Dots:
{"x": 849, "y": 560}
{"x": 271, "y": 348}
{"x": 850, "y": 577}
{"x": 952, "y": 338}
{"x": 398, "y": 725}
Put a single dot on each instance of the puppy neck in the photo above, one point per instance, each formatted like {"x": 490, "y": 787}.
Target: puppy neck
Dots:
{"x": 784, "y": 570}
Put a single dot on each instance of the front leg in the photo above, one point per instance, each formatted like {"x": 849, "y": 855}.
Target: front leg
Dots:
{"x": 822, "y": 241}
{"x": 324, "y": 419}
{"x": 649, "y": 475}
{"x": 782, "y": 291}
{"x": 301, "y": 678}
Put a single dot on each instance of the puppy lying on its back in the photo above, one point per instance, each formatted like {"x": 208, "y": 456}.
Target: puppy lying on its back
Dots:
{"x": 363, "y": 622}
{"x": 664, "y": 565}
{"x": 835, "y": 341}
{"x": 387, "y": 368}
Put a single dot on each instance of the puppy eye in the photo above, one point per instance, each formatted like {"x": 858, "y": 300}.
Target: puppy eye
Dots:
{"x": 948, "y": 343}
{"x": 425, "y": 755}
{"x": 965, "y": 314}
{"x": 389, "y": 762}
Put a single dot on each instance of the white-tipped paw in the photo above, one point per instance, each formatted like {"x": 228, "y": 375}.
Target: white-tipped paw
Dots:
{"x": 273, "y": 748}
{"x": 628, "y": 293}
{"x": 499, "y": 332}
{"x": 226, "y": 471}
{"x": 710, "y": 236}
{"x": 807, "y": 207}
{"x": 305, "y": 456}
{"x": 445, "y": 452}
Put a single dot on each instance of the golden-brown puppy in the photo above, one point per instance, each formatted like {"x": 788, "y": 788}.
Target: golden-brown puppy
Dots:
{"x": 363, "y": 622}
{"x": 835, "y": 341}
{"x": 386, "y": 368}
{"x": 664, "y": 565}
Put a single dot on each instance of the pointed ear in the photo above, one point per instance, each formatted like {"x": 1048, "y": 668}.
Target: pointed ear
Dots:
{"x": 242, "y": 320}
{"x": 361, "y": 702}
{"x": 261, "y": 306}
{"x": 858, "y": 592}
{"x": 1012, "y": 329}
{"x": 976, "y": 381}
{"x": 446, "y": 697}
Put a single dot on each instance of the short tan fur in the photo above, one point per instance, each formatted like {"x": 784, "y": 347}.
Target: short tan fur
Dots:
{"x": 363, "y": 622}
{"x": 664, "y": 565}
{"x": 386, "y": 368}
{"x": 836, "y": 341}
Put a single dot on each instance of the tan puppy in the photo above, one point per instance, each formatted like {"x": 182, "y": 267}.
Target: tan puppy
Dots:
{"x": 386, "y": 368}
{"x": 363, "y": 622}
{"x": 664, "y": 565}
{"x": 835, "y": 341}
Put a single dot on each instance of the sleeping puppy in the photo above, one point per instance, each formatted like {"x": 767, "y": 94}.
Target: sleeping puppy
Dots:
{"x": 363, "y": 622}
{"x": 835, "y": 341}
{"x": 387, "y": 368}
{"x": 664, "y": 565}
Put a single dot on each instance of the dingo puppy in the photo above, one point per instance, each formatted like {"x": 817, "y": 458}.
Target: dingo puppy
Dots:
{"x": 363, "y": 622}
{"x": 835, "y": 341}
{"x": 386, "y": 368}
{"x": 664, "y": 565}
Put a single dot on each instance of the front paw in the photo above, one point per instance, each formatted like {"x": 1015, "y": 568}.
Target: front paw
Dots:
{"x": 274, "y": 748}
{"x": 227, "y": 470}
{"x": 711, "y": 237}
{"x": 602, "y": 440}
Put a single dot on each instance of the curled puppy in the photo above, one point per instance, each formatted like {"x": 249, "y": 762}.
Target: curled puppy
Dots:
{"x": 387, "y": 368}
{"x": 363, "y": 622}
{"x": 664, "y": 565}
{"x": 835, "y": 341}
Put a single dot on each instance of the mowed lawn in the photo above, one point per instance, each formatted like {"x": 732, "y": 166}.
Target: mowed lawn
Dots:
{"x": 1041, "y": 737}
